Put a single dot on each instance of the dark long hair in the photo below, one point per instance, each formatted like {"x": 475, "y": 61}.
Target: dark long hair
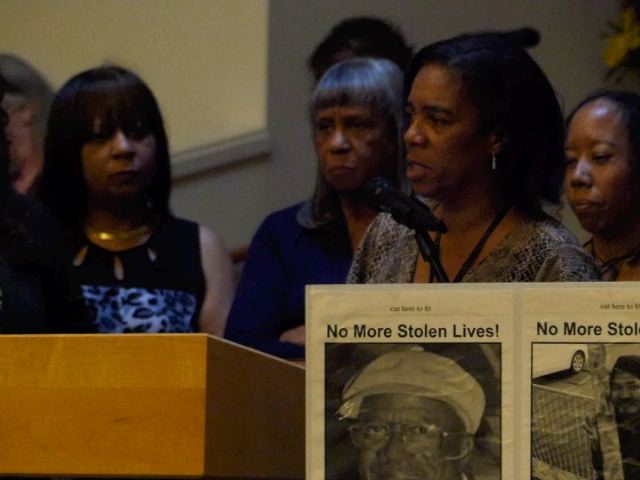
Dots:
{"x": 515, "y": 101}
{"x": 364, "y": 37}
{"x": 119, "y": 99}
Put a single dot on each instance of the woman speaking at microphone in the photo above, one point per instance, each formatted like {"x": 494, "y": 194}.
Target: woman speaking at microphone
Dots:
{"x": 484, "y": 144}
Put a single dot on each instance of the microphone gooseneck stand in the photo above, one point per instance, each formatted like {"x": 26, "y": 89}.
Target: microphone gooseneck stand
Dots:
{"x": 408, "y": 210}
{"x": 431, "y": 253}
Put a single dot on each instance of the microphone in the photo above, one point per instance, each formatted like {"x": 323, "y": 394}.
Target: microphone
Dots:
{"x": 404, "y": 209}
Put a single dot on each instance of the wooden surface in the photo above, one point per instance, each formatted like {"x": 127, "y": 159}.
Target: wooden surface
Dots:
{"x": 152, "y": 405}
{"x": 256, "y": 420}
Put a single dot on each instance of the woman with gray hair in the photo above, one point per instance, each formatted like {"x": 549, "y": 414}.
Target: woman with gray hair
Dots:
{"x": 27, "y": 102}
{"x": 356, "y": 114}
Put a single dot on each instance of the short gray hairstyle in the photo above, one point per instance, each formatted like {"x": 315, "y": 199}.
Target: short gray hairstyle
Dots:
{"x": 25, "y": 84}
{"x": 374, "y": 83}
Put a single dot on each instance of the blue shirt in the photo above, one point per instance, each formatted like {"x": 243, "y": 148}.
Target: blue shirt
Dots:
{"x": 283, "y": 258}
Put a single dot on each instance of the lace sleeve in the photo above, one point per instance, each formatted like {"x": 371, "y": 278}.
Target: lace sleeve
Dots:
{"x": 361, "y": 264}
{"x": 387, "y": 253}
{"x": 569, "y": 263}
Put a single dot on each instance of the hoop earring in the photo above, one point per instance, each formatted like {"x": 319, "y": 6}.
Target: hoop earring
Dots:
{"x": 493, "y": 161}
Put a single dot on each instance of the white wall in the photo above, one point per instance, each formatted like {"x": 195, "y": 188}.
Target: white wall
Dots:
{"x": 204, "y": 59}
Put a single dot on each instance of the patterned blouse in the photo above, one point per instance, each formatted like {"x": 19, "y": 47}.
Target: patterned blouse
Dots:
{"x": 535, "y": 251}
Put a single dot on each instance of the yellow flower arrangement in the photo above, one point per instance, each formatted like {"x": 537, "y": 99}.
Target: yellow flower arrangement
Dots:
{"x": 623, "y": 47}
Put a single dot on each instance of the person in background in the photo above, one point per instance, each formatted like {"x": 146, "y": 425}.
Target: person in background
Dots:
{"x": 624, "y": 383}
{"x": 37, "y": 292}
{"x": 602, "y": 179}
{"x": 484, "y": 144}
{"x": 107, "y": 179}
{"x": 359, "y": 37}
{"x": 27, "y": 101}
{"x": 625, "y": 396}
{"x": 356, "y": 113}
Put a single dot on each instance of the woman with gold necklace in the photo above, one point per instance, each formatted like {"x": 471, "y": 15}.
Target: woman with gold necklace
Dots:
{"x": 107, "y": 179}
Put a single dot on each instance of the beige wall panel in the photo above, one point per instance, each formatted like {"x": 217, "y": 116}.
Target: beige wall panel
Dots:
{"x": 204, "y": 59}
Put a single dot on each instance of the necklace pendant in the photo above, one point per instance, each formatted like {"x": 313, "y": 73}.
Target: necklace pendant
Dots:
{"x": 78, "y": 260}
{"x": 118, "y": 268}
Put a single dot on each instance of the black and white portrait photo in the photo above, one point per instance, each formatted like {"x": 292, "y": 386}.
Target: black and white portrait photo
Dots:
{"x": 412, "y": 411}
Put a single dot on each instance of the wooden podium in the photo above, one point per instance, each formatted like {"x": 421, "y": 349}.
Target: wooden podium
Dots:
{"x": 148, "y": 405}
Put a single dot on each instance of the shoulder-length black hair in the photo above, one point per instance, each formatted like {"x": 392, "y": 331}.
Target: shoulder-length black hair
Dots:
{"x": 363, "y": 37}
{"x": 117, "y": 99}
{"x": 515, "y": 101}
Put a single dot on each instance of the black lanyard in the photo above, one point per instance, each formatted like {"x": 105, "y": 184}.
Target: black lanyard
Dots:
{"x": 610, "y": 269}
{"x": 473, "y": 256}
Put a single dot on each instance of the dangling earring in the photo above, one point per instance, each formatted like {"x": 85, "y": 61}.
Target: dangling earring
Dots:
{"x": 493, "y": 161}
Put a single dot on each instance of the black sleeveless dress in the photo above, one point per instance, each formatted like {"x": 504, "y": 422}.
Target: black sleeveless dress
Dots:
{"x": 162, "y": 286}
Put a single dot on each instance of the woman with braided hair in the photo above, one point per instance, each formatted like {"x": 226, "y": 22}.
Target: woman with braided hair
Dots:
{"x": 484, "y": 144}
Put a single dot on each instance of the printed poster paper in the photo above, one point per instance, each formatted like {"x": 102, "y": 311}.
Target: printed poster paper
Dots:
{"x": 412, "y": 370}
{"x": 558, "y": 366}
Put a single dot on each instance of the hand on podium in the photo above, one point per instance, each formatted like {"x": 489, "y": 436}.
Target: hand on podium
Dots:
{"x": 294, "y": 335}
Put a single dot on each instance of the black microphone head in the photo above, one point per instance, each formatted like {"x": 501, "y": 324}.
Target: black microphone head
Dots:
{"x": 382, "y": 195}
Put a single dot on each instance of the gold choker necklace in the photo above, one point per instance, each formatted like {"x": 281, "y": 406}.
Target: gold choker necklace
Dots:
{"x": 128, "y": 239}
{"x": 118, "y": 236}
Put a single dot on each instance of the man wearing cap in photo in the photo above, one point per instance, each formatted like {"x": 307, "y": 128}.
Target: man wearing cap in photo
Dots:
{"x": 625, "y": 396}
{"x": 413, "y": 416}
